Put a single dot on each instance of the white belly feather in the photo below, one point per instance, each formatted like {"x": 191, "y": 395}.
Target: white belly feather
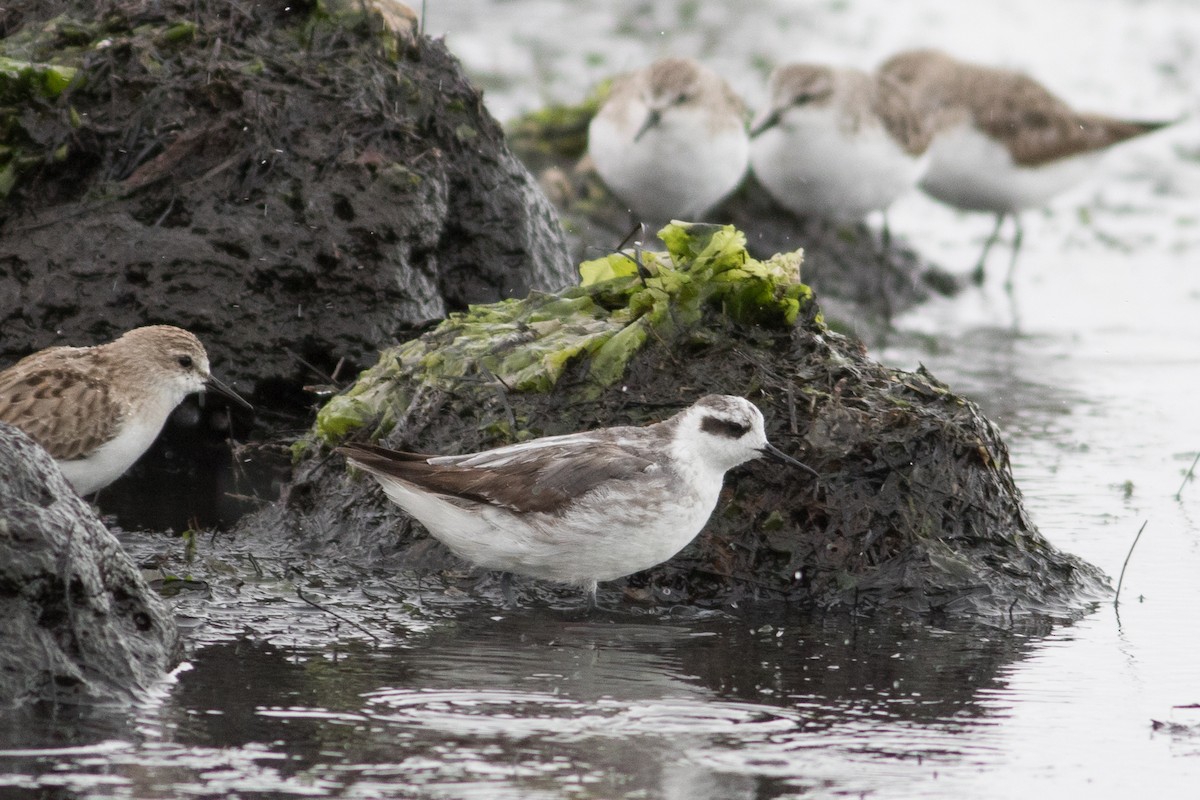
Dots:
{"x": 970, "y": 170}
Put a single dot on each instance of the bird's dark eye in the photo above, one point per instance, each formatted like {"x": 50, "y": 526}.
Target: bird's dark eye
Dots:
{"x": 185, "y": 361}
{"x": 682, "y": 98}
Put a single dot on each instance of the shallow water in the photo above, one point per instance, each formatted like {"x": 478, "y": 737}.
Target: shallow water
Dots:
{"x": 1090, "y": 367}
{"x": 542, "y": 703}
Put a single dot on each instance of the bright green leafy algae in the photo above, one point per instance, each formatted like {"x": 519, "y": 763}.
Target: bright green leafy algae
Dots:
{"x": 527, "y": 345}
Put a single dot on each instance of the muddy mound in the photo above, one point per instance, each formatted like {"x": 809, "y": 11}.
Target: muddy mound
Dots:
{"x": 287, "y": 180}
{"x": 915, "y": 507}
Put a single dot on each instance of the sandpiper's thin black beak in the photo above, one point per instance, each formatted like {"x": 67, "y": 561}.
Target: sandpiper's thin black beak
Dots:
{"x": 652, "y": 119}
{"x": 777, "y": 454}
{"x": 766, "y": 123}
{"x": 214, "y": 385}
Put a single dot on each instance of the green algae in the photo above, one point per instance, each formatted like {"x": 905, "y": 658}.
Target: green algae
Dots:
{"x": 62, "y": 40}
{"x": 19, "y": 78}
{"x": 528, "y": 345}
{"x": 179, "y": 33}
{"x": 27, "y": 83}
{"x": 39, "y": 67}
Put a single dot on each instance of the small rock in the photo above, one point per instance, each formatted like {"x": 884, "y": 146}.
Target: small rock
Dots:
{"x": 77, "y": 619}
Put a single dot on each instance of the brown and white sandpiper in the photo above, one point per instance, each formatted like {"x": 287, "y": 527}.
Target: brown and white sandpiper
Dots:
{"x": 96, "y": 410}
{"x": 837, "y": 143}
{"x": 670, "y": 140}
{"x": 1002, "y": 142}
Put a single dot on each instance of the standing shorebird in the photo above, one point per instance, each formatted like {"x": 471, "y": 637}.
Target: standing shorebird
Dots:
{"x": 579, "y": 508}
{"x": 96, "y": 410}
{"x": 1002, "y": 141}
{"x": 670, "y": 141}
{"x": 837, "y": 143}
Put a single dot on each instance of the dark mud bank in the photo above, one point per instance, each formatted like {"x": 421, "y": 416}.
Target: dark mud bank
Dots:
{"x": 915, "y": 507}
{"x": 291, "y": 182}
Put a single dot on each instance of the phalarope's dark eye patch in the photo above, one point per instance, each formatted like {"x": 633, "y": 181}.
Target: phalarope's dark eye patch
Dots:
{"x": 723, "y": 427}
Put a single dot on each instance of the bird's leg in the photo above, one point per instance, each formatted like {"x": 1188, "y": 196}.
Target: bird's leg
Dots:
{"x": 591, "y": 605}
{"x": 890, "y": 267}
{"x": 1018, "y": 238}
{"x": 977, "y": 275}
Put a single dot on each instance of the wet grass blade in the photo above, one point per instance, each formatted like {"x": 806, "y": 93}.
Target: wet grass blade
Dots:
{"x": 1121, "y": 579}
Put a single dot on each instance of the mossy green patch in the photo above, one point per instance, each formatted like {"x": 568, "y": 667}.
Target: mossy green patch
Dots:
{"x": 528, "y": 345}
{"x": 179, "y": 33}
{"x": 38, "y": 65}
{"x": 60, "y": 40}
{"x": 556, "y": 131}
{"x": 704, "y": 264}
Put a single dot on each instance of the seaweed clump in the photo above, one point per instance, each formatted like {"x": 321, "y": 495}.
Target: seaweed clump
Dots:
{"x": 915, "y": 507}
{"x": 527, "y": 345}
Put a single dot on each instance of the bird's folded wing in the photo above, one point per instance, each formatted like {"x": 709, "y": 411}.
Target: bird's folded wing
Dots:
{"x": 542, "y": 478}
{"x": 61, "y": 408}
{"x": 1039, "y": 128}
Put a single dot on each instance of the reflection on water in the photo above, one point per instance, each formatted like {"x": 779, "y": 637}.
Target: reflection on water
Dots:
{"x": 530, "y": 703}
{"x": 203, "y": 477}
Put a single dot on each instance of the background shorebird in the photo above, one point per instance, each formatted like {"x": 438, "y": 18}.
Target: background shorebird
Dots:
{"x": 670, "y": 141}
{"x": 1002, "y": 141}
{"x": 837, "y": 143}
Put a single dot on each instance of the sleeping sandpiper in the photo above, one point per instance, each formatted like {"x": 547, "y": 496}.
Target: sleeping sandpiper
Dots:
{"x": 579, "y": 508}
{"x": 1002, "y": 141}
{"x": 837, "y": 143}
{"x": 97, "y": 409}
{"x": 670, "y": 141}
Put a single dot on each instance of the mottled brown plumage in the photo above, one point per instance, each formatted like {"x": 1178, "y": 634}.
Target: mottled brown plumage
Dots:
{"x": 862, "y": 100}
{"x": 893, "y": 103}
{"x": 62, "y": 398}
{"x": 1002, "y": 142}
{"x": 74, "y": 417}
